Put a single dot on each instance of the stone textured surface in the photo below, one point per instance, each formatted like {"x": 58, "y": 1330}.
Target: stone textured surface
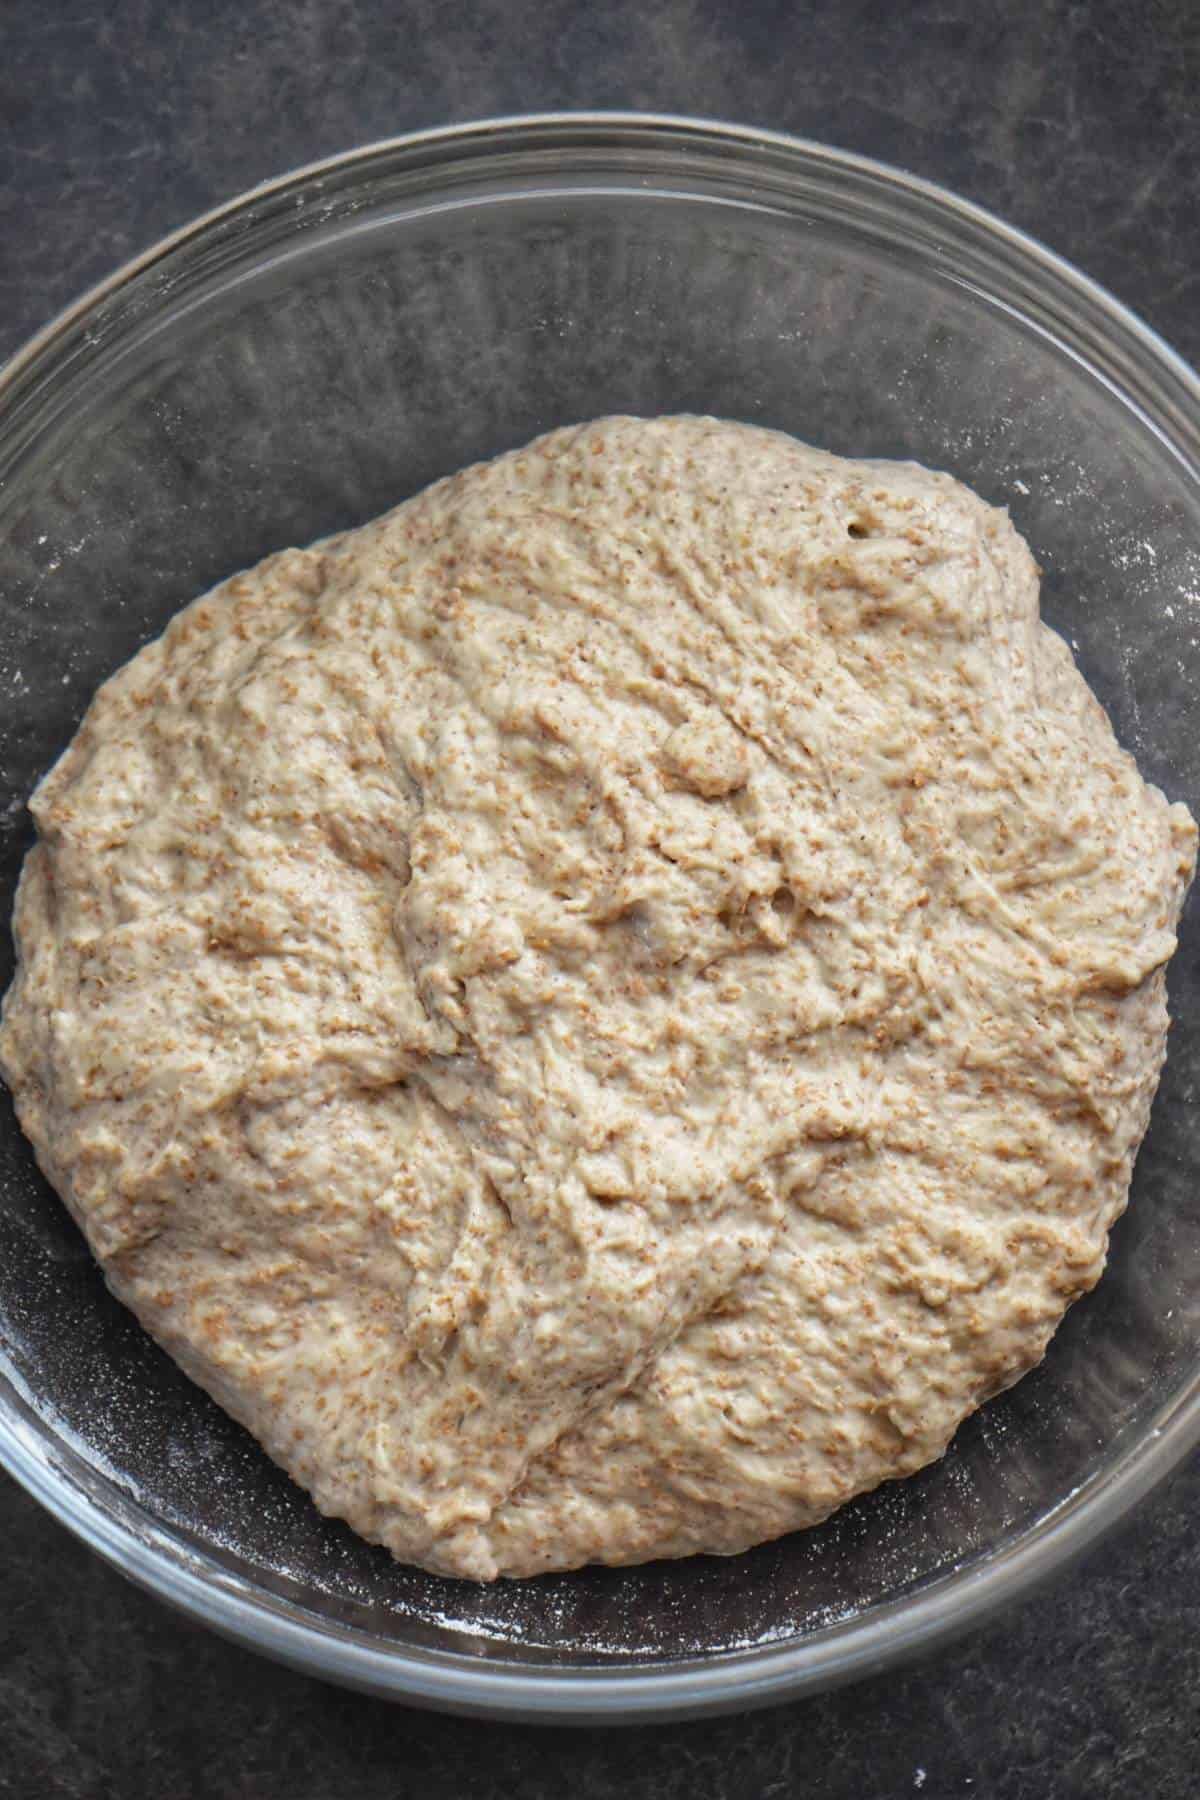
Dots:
{"x": 1075, "y": 121}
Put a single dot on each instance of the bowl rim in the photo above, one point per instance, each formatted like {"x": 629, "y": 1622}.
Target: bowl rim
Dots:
{"x": 734, "y": 1680}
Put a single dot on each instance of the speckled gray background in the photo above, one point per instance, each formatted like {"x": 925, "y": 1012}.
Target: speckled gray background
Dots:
{"x": 1077, "y": 121}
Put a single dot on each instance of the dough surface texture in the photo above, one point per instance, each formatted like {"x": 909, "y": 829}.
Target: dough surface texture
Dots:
{"x": 602, "y": 1013}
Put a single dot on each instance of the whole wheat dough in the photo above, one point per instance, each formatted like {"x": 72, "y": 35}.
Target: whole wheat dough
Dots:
{"x": 602, "y": 1013}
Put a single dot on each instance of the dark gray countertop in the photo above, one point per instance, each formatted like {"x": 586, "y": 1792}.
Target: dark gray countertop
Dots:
{"x": 1075, "y": 121}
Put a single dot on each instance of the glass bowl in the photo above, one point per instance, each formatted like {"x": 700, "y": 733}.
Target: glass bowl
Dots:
{"x": 300, "y": 360}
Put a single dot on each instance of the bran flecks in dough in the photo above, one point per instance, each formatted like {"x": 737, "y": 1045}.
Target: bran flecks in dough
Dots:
{"x": 604, "y": 1012}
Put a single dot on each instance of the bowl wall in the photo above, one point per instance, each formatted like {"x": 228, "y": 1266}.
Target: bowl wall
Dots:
{"x": 322, "y": 350}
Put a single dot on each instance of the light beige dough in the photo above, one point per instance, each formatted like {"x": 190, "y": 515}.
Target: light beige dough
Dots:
{"x": 603, "y": 1012}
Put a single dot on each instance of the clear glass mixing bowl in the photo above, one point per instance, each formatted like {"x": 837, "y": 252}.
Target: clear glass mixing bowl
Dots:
{"x": 302, "y": 359}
